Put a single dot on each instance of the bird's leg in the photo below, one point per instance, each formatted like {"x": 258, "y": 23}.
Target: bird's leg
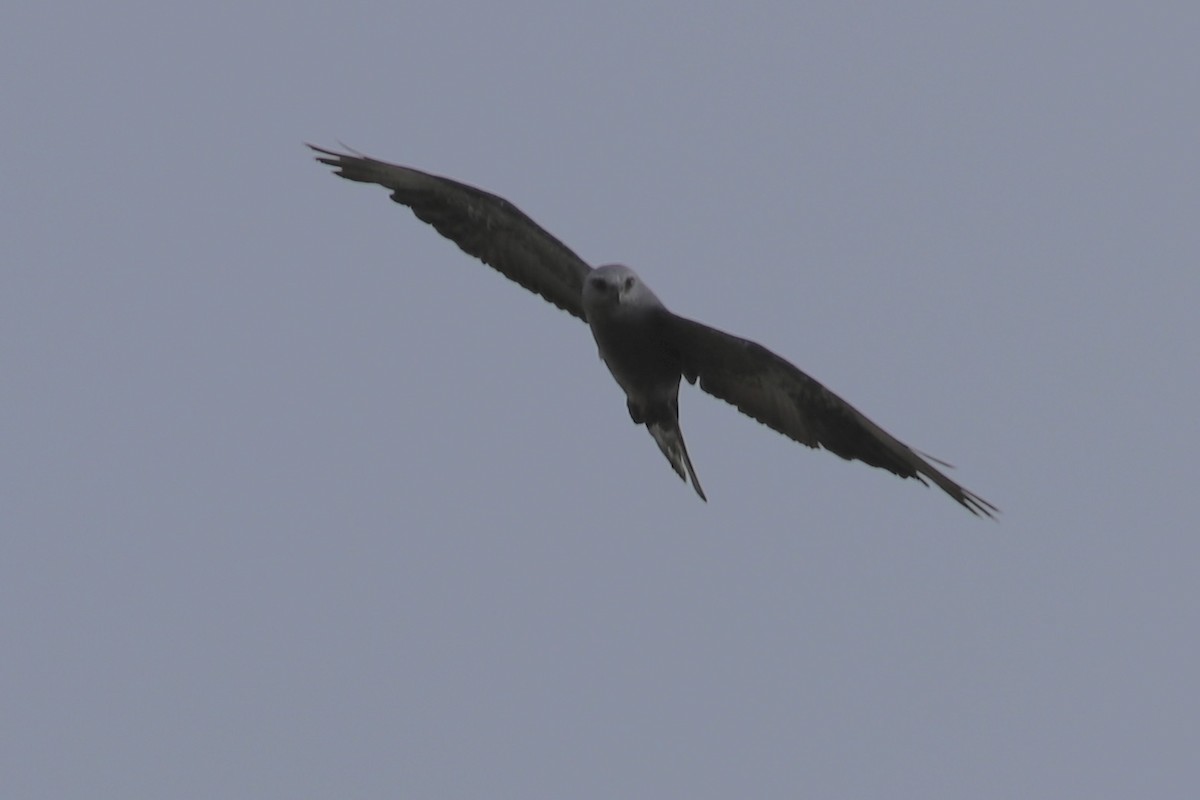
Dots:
{"x": 635, "y": 413}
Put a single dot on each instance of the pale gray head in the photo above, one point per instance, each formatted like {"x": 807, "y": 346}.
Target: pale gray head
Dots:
{"x": 614, "y": 288}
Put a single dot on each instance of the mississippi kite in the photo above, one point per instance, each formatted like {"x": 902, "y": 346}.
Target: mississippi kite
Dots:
{"x": 647, "y": 348}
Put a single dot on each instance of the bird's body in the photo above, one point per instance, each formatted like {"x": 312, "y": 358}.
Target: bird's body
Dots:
{"x": 625, "y": 318}
{"x": 648, "y": 349}
{"x": 624, "y": 330}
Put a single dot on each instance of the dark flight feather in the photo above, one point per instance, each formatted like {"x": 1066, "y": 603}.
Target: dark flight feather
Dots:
{"x": 764, "y": 386}
{"x": 486, "y": 226}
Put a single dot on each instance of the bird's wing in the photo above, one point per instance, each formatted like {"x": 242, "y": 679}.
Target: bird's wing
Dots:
{"x": 769, "y": 389}
{"x": 482, "y": 224}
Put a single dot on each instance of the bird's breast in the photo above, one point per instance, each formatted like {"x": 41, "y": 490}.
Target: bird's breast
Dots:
{"x": 635, "y": 354}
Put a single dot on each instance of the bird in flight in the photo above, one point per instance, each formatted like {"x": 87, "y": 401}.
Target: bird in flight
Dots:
{"x": 647, "y": 348}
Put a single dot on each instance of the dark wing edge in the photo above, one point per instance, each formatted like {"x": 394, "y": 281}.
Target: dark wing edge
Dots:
{"x": 764, "y": 386}
{"x": 483, "y": 225}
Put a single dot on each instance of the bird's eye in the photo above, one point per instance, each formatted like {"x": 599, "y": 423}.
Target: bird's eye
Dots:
{"x": 628, "y": 282}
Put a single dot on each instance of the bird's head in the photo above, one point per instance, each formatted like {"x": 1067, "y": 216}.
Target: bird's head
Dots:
{"x": 615, "y": 286}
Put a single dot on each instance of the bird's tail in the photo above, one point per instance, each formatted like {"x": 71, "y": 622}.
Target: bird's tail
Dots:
{"x": 670, "y": 440}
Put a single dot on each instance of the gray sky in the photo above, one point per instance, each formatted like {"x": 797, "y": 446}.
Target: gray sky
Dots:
{"x": 300, "y": 501}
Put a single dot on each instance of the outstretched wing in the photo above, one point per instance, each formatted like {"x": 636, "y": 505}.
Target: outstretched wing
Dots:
{"x": 482, "y": 224}
{"x": 769, "y": 389}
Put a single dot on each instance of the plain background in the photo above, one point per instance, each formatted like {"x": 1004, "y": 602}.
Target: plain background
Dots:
{"x": 299, "y": 501}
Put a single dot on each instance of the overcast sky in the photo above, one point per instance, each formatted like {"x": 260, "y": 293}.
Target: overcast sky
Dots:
{"x": 300, "y": 501}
